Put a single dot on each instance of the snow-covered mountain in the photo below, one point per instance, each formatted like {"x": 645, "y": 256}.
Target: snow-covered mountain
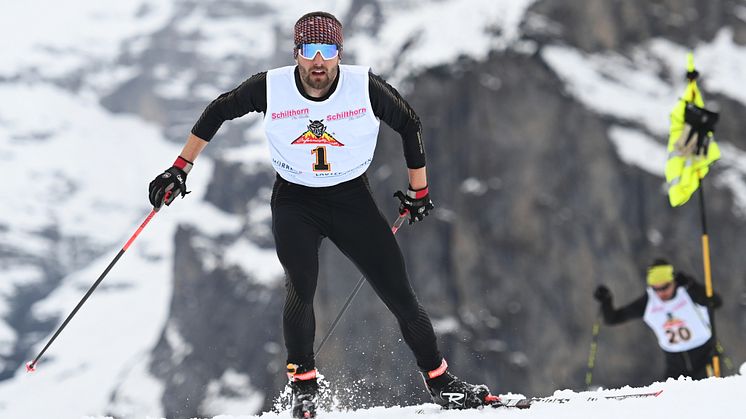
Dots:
{"x": 95, "y": 99}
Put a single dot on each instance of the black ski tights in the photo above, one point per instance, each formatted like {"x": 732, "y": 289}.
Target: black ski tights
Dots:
{"x": 347, "y": 214}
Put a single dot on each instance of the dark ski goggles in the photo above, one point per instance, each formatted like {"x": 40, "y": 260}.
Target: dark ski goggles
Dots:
{"x": 309, "y": 51}
{"x": 663, "y": 287}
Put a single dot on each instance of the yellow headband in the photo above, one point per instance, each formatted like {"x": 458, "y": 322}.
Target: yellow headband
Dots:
{"x": 658, "y": 275}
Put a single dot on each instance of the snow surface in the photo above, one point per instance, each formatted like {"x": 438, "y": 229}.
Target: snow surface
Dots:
{"x": 713, "y": 398}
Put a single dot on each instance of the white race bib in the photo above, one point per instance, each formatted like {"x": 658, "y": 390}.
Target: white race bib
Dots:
{"x": 679, "y": 323}
{"x": 320, "y": 143}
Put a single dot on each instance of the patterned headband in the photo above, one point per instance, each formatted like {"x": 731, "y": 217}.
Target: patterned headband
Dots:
{"x": 317, "y": 30}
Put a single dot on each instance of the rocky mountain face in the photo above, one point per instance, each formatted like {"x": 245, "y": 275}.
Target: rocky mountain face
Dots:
{"x": 534, "y": 209}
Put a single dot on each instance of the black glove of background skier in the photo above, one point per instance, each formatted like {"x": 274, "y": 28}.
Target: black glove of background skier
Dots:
{"x": 171, "y": 180}
{"x": 416, "y": 202}
{"x": 602, "y": 294}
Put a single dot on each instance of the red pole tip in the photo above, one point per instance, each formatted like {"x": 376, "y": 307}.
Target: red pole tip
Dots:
{"x": 30, "y": 366}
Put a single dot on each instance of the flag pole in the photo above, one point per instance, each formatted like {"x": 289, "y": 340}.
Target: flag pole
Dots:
{"x": 686, "y": 168}
{"x": 708, "y": 275}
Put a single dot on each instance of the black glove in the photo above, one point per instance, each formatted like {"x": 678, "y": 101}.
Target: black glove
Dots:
{"x": 172, "y": 180}
{"x": 416, "y": 202}
{"x": 602, "y": 294}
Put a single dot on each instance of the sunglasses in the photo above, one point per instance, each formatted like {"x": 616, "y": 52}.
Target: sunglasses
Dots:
{"x": 662, "y": 287}
{"x": 309, "y": 51}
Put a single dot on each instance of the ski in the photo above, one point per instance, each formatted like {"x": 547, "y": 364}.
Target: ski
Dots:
{"x": 525, "y": 403}
{"x": 512, "y": 402}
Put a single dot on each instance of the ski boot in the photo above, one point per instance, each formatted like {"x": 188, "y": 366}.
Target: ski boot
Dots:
{"x": 449, "y": 392}
{"x": 305, "y": 389}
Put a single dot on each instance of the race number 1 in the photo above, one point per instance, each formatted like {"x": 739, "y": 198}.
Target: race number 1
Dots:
{"x": 321, "y": 165}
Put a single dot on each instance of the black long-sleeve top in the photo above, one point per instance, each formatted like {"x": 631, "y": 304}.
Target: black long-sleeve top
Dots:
{"x": 636, "y": 309}
{"x": 251, "y": 96}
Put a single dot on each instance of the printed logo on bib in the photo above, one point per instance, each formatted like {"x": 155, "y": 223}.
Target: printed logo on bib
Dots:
{"x": 676, "y": 330}
{"x": 316, "y": 134}
{"x": 660, "y": 307}
{"x": 291, "y": 113}
{"x": 284, "y": 166}
{"x": 348, "y": 114}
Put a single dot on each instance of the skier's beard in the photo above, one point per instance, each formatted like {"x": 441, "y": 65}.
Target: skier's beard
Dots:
{"x": 318, "y": 81}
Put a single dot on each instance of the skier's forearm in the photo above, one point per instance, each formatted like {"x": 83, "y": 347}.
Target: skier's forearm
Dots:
{"x": 634, "y": 310}
{"x": 609, "y": 314}
{"x": 418, "y": 178}
{"x": 612, "y": 316}
{"x": 193, "y": 147}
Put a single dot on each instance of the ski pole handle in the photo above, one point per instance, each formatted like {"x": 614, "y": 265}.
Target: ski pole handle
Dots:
{"x": 399, "y": 221}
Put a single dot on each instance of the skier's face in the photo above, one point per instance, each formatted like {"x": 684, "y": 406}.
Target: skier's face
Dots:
{"x": 317, "y": 74}
{"x": 665, "y": 291}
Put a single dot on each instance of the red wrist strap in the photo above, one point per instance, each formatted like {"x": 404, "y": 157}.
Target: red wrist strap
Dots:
{"x": 417, "y": 194}
{"x": 183, "y": 164}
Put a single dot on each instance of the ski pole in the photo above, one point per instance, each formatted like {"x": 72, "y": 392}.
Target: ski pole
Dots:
{"x": 31, "y": 365}
{"x": 593, "y": 351}
{"x": 394, "y": 228}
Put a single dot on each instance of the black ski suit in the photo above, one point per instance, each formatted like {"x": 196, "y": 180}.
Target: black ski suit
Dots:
{"x": 346, "y": 213}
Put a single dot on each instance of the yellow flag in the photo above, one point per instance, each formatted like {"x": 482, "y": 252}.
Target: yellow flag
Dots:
{"x": 691, "y": 145}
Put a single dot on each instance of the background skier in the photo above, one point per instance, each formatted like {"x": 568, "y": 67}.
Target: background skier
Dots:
{"x": 674, "y": 306}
